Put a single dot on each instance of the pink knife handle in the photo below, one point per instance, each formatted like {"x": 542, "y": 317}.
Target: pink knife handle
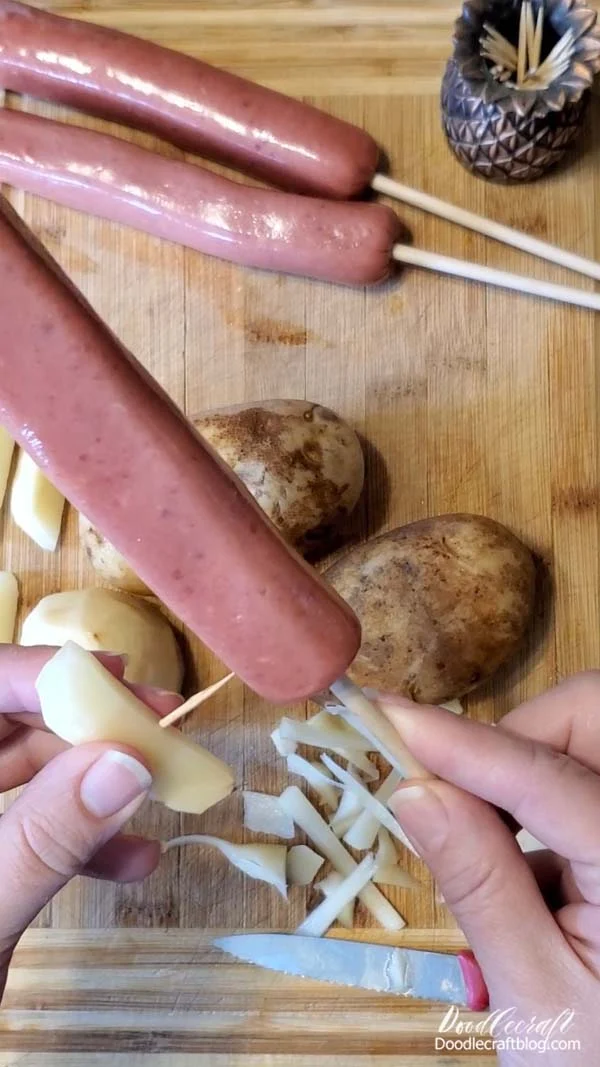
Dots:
{"x": 478, "y": 998}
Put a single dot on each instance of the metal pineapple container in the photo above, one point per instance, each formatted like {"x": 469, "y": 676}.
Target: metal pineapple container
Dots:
{"x": 517, "y": 86}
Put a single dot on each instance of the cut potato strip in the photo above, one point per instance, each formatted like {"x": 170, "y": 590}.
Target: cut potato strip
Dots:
{"x": 322, "y": 836}
{"x": 263, "y": 814}
{"x": 303, "y": 865}
{"x": 322, "y": 731}
{"x": 284, "y": 748}
{"x": 370, "y": 802}
{"x": 454, "y": 706}
{"x": 388, "y": 870}
{"x": 194, "y": 702}
{"x": 9, "y": 601}
{"x": 35, "y": 505}
{"x": 373, "y": 744}
{"x": 318, "y": 922}
{"x": 395, "y": 876}
{"x": 328, "y": 886}
{"x": 318, "y": 778}
{"x": 364, "y": 831}
{"x": 82, "y": 702}
{"x": 7, "y": 447}
{"x": 360, "y": 762}
{"x": 347, "y": 813}
{"x": 386, "y": 850}
{"x": 528, "y": 843}
{"x": 264, "y": 863}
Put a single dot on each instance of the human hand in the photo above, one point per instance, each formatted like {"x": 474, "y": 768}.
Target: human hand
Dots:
{"x": 533, "y": 926}
{"x": 66, "y": 821}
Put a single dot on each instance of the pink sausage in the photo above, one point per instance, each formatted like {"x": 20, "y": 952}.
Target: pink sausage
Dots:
{"x": 350, "y": 243}
{"x": 183, "y": 100}
{"x": 119, "y": 449}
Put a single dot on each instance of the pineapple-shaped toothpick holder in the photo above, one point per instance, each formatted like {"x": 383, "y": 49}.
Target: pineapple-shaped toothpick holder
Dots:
{"x": 516, "y": 88}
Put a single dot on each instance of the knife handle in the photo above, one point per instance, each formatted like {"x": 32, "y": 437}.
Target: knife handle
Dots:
{"x": 478, "y": 998}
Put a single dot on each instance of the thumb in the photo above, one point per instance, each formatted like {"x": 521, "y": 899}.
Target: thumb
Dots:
{"x": 486, "y": 883}
{"x": 70, "y": 810}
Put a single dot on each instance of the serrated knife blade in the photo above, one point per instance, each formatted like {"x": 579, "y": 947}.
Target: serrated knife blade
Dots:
{"x": 437, "y": 976}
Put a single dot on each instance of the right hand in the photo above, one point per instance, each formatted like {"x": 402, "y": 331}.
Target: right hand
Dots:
{"x": 66, "y": 821}
{"x": 535, "y": 932}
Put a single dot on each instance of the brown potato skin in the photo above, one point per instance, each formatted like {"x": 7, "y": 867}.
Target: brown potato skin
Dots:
{"x": 302, "y": 463}
{"x": 443, "y": 604}
{"x": 107, "y": 562}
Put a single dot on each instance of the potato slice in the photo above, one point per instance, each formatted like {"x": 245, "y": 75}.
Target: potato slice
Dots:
{"x": 36, "y": 505}
{"x": 7, "y": 447}
{"x": 82, "y": 702}
{"x": 9, "y": 599}
{"x": 107, "y": 621}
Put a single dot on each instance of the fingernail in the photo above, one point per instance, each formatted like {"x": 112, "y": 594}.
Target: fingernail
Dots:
{"x": 122, "y": 656}
{"x": 422, "y": 816}
{"x": 112, "y": 783}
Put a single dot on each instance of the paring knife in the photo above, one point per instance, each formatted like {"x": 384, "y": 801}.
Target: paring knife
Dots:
{"x": 405, "y": 972}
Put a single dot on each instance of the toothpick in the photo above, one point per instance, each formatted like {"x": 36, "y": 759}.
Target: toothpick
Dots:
{"x": 194, "y": 702}
{"x": 503, "y": 45}
{"x": 531, "y": 67}
{"x": 554, "y": 64}
{"x": 537, "y": 40}
{"x": 522, "y": 53}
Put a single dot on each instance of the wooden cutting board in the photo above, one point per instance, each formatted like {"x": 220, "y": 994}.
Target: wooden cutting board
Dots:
{"x": 468, "y": 399}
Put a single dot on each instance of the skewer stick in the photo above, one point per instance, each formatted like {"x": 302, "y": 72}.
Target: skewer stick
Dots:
{"x": 560, "y": 56}
{"x": 522, "y": 64}
{"x": 417, "y": 257}
{"x": 496, "y": 230}
{"x": 530, "y": 65}
{"x": 353, "y": 698}
{"x": 538, "y": 39}
{"x": 194, "y": 702}
{"x": 500, "y": 40}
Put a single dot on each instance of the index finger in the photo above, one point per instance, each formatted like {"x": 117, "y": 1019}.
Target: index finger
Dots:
{"x": 553, "y": 795}
{"x": 19, "y": 670}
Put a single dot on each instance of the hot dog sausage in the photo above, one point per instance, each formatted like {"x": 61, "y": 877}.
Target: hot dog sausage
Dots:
{"x": 115, "y": 445}
{"x": 349, "y": 243}
{"x": 183, "y": 100}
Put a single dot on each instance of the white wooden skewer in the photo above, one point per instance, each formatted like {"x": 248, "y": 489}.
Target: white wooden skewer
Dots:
{"x": 477, "y": 272}
{"x": 523, "y": 241}
{"x": 193, "y": 702}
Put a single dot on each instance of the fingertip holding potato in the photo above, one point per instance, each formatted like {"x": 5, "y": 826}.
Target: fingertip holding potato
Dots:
{"x": 302, "y": 463}
{"x": 82, "y": 702}
{"x": 443, "y": 604}
{"x": 103, "y": 620}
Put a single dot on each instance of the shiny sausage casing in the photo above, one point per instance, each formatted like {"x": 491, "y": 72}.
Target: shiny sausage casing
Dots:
{"x": 349, "y": 243}
{"x": 193, "y": 105}
{"x": 115, "y": 445}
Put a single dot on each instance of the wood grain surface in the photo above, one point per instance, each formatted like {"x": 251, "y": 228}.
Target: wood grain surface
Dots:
{"x": 467, "y": 399}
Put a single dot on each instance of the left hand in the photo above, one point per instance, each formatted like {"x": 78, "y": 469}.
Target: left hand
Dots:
{"x": 66, "y": 821}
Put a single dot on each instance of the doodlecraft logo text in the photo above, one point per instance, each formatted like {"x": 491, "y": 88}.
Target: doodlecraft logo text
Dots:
{"x": 506, "y": 1031}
